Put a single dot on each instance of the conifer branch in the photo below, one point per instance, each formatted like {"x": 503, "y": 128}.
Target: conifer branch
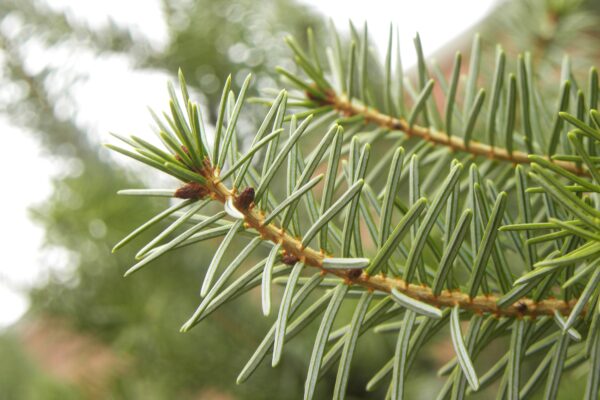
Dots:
{"x": 349, "y": 109}
{"x": 384, "y": 104}
{"x": 471, "y": 272}
{"x": 254, "y": 218}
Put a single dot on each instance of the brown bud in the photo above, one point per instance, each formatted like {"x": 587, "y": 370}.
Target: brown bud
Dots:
{"x": 185, "y": 150}
{"x": 329, "y": 94}
{"x": 521, "y": 307}
{"x": 244, "y": 200}
{"x": 353, "y": 274}
{"x": 289, "y": 258}
{"x": 192, "y": 190}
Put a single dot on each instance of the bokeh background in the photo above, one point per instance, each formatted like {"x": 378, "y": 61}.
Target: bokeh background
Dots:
{"x": 71, "y": 71}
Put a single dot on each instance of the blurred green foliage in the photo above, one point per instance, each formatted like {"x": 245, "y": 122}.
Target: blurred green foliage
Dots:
{"x": 549, "y": 30}
{"x": 21, "y": 378}
{"x": 210, "y": 39}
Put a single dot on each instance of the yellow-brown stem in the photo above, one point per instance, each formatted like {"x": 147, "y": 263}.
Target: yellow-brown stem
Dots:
{"x": 345, "y": 107}
{"x": 483, "y": 304}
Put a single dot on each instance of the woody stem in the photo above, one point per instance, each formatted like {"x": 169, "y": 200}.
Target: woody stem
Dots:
{"x": 482, "y": 304}
{"x": 346, "y": 107}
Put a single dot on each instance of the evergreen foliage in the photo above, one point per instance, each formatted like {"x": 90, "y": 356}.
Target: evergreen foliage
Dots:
{"x": 479, "y": 210}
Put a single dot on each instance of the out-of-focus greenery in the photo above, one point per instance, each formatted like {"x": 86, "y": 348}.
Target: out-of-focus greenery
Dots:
{"x": 549, "y": 30}
{"x": 138, "y": 319}
{"x": 211, "y": 39}
{"x": 21, "y": 378}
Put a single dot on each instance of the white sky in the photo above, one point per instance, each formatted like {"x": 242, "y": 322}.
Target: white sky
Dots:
{"x": 437, "y": 21}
